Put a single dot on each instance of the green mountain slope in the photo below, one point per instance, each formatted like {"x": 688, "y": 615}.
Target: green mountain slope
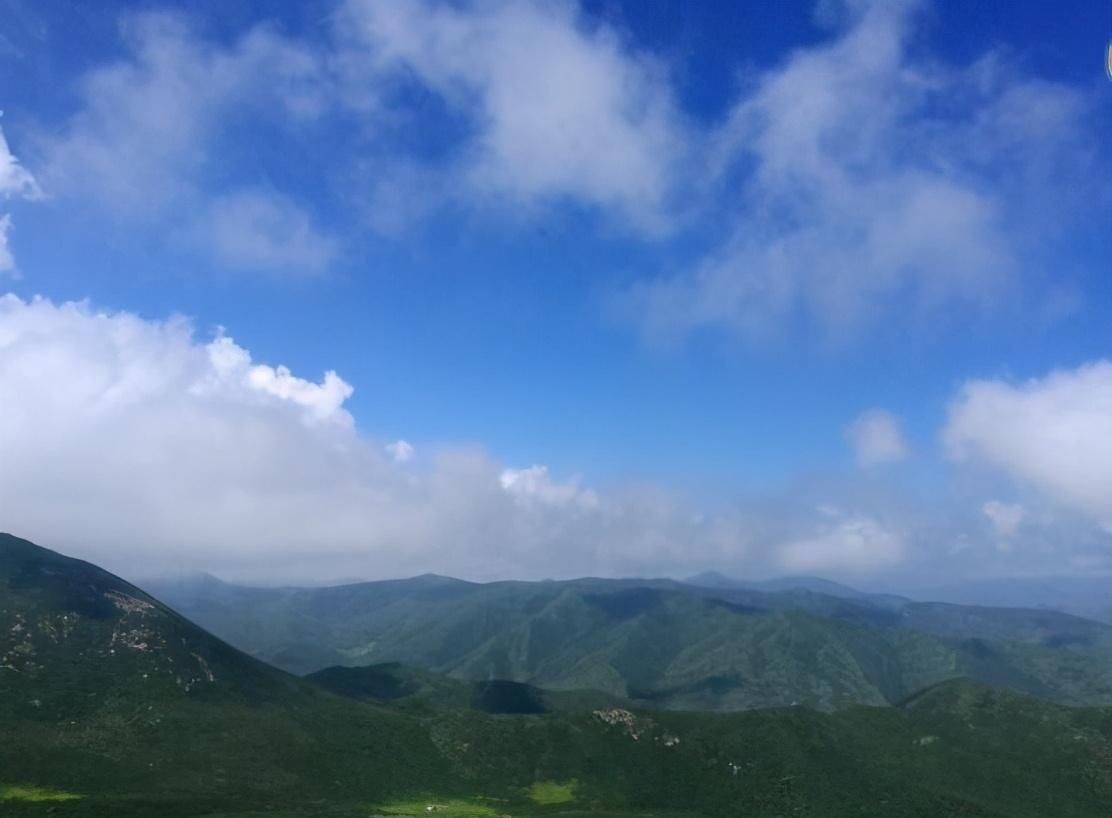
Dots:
{"x": 105, "y": 690}
{"x": 99, "y": 719}
{"x": 85, "y": 624}
{"x": 663, "y": 643}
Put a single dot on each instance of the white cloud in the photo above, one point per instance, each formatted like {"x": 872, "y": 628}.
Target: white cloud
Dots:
{"x": 875, "y": 180}
{"x": 559, "y": 108}
{"x": 1053, "y": 433}
{"x": 231, "y": 365}
{"x": 15, "y": 182}
{"x": 551, "y": 107}
{"x": 149, "y": 142}
{"x": 876, "y": 438}
{"x": 142, "y": 138}
{"x": 130, "y": 442}
{"x": 857, "y": 177}
{"x": 844, "y": 543}
{"x": 7, "y": 260}
{"x": 533, "y": 484}
{"x": 400, "y": 451}
{"x": 265, "y": 231}
{"x": 1006, "y": 518}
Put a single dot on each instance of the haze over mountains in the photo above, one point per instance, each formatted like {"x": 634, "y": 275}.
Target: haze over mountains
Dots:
{"x": 113, "y": 705}
{"x": 1088, "y": 596}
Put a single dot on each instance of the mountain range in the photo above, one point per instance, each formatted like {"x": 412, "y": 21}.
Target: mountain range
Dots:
{"x": 114, "y": 704}
{"x": 707, "y": 645}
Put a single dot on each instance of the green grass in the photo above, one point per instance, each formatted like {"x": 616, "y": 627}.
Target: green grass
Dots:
{"x": 451, "y": 808}
{"x": 552, "y": 792}
{"x": 36, "y": 794}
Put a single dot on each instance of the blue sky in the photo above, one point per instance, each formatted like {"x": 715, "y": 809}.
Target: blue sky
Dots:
{"x": 739, "y": 286}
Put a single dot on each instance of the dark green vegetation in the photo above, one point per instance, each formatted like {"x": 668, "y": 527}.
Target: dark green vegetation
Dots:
{"x": 421, "y": 691}
{"x": 112, "y": 705}
{"x": 664, "y": 644}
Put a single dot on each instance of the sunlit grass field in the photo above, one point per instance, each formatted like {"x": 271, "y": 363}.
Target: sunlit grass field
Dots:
{"x": 34, "y": 794}
{"x": 552, "y": 792}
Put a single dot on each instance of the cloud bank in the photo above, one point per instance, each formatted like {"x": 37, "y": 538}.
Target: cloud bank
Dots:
{"x": 132, "y": 442}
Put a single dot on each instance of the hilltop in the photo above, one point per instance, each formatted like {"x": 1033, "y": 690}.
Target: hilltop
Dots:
{"x": 104, "y": 689}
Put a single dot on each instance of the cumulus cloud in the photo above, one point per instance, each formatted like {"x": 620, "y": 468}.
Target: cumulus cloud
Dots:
{"x": 559, "y": 108}
{"x": 1053, "y": 433}
{"x": 844, "y": 543}
{"x": 231, "y": 363}
{"x": 533, "y": 484}
{"x": 865, "y": 177}
{"x": 131, "y": 442}
{"x": 876, "y": 438}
